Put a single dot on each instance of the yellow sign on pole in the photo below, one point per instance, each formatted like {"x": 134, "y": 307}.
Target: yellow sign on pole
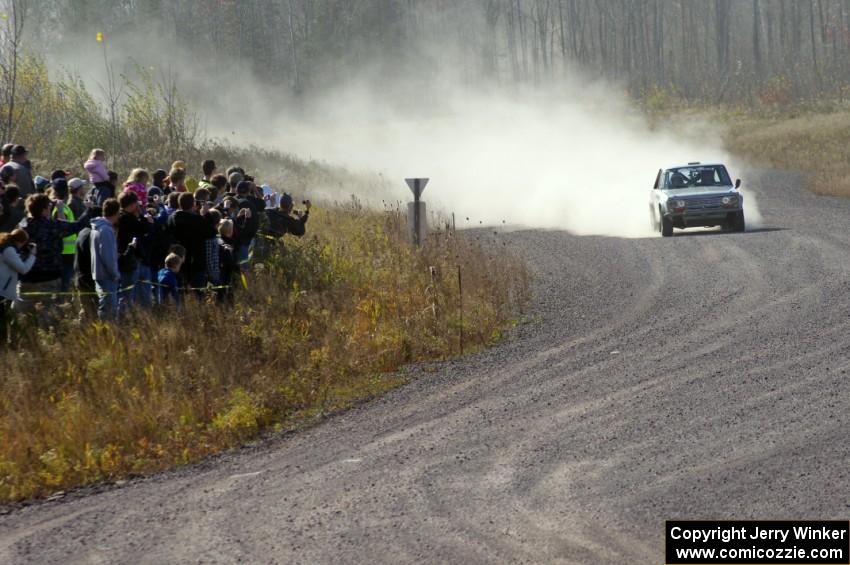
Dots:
{"x": 99, "y": 37}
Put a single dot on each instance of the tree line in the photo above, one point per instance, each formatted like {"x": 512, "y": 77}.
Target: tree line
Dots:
{"x": 718, "y": 50}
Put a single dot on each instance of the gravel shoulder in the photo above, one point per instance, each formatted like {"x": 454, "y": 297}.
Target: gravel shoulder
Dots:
{"x": 699, "y": 376}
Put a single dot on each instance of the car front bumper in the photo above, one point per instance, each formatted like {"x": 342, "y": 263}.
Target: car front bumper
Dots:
{"x": 702, "y": 218}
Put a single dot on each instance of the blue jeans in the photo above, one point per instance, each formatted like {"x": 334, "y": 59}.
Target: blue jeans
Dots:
{"x": 107, "y": 299}
{"x": 143, "y": 289}
{"x": 67, "y": 272}
{"x": 243, "y": 253}
{"x": 125, "y": 297}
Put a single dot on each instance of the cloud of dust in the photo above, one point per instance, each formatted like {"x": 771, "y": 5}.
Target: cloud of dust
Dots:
{"x": 573, "y": 155}
{"x": 577, "y": 158}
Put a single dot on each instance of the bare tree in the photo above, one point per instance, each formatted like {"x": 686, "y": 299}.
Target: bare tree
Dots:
{"x": 113, "y": 91}
{"x": 14, "y": 14}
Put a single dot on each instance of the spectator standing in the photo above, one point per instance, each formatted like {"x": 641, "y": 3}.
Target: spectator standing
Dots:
{"x": 61, "y": 211}
{"x": 82, "y": 270}
{"x": 247, "y": 223}
{"x": 158, "y": 186}
{"x": 104, "y": 260}
{"x": 47, "y": 233}
{"x": 6, "y": 153}
{"x": 218, "y": 189}
{"x": 76, "y": 191}
{"x": 13, "y": 210}
{"x": 190, "y": 229}
{"x": 177, "y": 178}
{"x": 149, "y": 248}
{"x": 19, "y": 157}
{"x": 41, "y": 184}
{"x": 132, "y": 227}
{"x": 208, "y": 169}
{"x": 16, "y": 258}
{"x": 233, "y": 180}
{"x": 282, "y": 221}
{"x": 228, "y": 266}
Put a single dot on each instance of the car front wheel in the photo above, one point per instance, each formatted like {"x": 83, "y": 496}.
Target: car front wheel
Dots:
{"x": 738, "y": 223}
{"x": 666, "y": 226}
{"x": 653, "y": 223}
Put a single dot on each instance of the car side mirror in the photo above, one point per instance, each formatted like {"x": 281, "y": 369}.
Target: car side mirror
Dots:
{"x": 738, "y": 183}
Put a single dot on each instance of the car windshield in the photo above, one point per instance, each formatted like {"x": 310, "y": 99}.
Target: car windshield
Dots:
{"x": 697, "y": 175}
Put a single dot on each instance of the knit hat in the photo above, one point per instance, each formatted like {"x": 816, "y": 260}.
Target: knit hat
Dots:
{"x": 40, "y": 183}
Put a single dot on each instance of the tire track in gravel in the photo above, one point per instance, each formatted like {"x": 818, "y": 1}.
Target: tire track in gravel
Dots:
{"x": 699, "y": 376}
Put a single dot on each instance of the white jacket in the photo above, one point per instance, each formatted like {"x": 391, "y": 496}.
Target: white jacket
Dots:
{"x": 11, "y": 265}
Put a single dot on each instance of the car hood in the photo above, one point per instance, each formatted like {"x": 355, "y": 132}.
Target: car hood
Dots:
{"x": 699, "y": 191}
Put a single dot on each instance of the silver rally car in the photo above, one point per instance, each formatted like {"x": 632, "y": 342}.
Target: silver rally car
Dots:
{"x": 696, "y": 195}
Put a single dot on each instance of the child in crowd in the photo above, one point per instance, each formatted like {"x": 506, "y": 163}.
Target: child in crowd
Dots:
{"x": 167, "y": 279}
{"x": 99, "y": 177}
{"x": 138, "y": 184}
{"x": 227, "y": 261}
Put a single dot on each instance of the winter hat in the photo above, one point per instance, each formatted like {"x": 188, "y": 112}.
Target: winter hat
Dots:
{"x": 41, "y": 183}
{"x": 76, "y": 183}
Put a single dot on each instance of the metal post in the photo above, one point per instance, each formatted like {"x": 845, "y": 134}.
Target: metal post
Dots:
{"x": 417, "y": 185}
{"x": 416, "y": 192}
{"x": 460, "y": 305}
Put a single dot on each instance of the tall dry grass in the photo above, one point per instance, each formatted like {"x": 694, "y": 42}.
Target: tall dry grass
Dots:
{"x": 817, "y": 144}
{"x": 322, "y": 323}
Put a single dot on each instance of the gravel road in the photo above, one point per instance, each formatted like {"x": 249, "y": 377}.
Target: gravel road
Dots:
{"x": 701, "y": 376}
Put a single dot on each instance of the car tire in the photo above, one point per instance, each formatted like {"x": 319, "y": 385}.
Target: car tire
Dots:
{"x": 653, "y": 223}
{"x": 738, "y": 222}
{"x": 666, "y": 226}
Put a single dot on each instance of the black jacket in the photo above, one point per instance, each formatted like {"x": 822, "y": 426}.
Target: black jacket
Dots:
{"x": 191, "y": 231}
{"x": 281, "y": 223}
{"x": 130, "y": 226}
{"x": 82, "y": 260}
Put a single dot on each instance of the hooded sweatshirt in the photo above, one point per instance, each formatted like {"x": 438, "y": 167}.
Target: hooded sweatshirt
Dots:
{"x": 104, "y": 251}
{"x": 12, "y": 265}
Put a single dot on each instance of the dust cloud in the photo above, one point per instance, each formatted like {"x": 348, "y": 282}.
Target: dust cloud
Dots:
{"x": 573, "y": 158}
{"x": 573, "y": 155}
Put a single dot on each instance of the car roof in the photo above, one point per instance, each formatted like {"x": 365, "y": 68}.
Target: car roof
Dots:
{"x": 693, "y": 164}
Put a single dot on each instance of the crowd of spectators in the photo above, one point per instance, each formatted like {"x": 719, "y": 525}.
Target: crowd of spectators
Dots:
{"x": 109, "y": 247}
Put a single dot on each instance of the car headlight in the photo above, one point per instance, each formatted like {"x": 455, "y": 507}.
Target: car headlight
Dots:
{"x": 729, "y": 200}
{"x": 674, "y": 204}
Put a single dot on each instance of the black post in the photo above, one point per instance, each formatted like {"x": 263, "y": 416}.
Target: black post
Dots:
{"x": 460, "y": 305}
{"x": 416, "y": 212}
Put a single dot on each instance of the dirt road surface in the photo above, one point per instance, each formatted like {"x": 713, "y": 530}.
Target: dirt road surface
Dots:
{"x": 699, "y": 376}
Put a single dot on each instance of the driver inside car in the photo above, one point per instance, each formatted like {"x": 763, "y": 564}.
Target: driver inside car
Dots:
{"x": 678, "y": 180}
{"x": 706, "y": 177}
